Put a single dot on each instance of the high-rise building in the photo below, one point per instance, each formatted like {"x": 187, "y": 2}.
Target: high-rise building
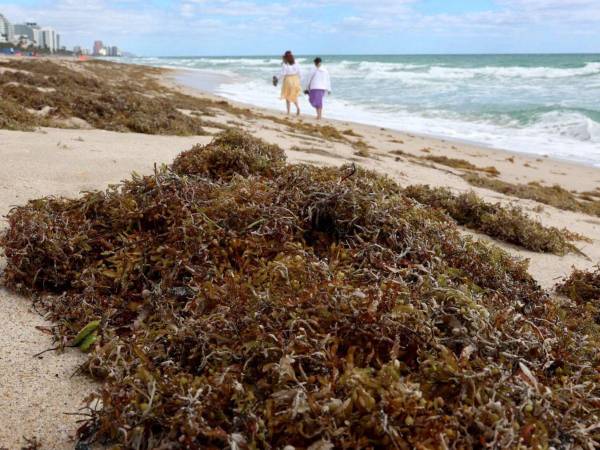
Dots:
{"x": 7, "y": 30}
{"x": 37, "y": 32}
{"x": 30, "y": 31}
{"x": 49, "y": 39}
{"x": 23, "y": 30}
{"x": 98, "y": 46}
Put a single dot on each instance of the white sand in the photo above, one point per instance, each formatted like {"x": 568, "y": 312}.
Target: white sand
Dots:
{"x": 35, "y": 393}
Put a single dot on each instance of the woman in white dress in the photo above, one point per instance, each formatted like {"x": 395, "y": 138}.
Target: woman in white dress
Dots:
{"x": 291, "y": 86}
{"x": 319, "y": 84}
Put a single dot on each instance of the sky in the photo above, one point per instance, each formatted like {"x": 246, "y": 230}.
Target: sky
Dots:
{"x": 268, "y": 27}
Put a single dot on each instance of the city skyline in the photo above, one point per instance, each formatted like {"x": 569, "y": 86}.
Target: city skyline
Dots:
{"x": 28, "y": 35}
{"x": 246, "y": 27}
{"x": 33, "y": 35}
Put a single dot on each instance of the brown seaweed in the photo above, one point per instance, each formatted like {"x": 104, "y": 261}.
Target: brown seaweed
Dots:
{"x": 259, "y": 305}
{"x": 509, "y": 224}
{"x": 582, "y": 286}
{"x": 554, "y": 195}
{"x": 111, "y": 104}
{"x": 462, "y": 164}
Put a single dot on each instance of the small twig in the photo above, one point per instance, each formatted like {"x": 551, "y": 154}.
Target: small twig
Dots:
{"x": 46, "y": 351}
{"x": 352, "y": 172}
{"x": 53, "y": 349}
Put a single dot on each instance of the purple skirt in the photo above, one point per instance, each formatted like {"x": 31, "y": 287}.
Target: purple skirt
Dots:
{"x": 315, "y": 97}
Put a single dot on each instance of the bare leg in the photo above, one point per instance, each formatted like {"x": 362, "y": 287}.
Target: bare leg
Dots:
{"x": 319, "y": 113}
{"x": 288, "y": 106}
{"x": 297, "y": 108}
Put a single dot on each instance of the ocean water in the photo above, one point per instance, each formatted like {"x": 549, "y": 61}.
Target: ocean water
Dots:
{"x": 539, "y": 104}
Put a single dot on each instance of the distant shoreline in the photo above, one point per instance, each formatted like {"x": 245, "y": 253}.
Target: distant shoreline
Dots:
{"x": 206, "y": 83}
{"x": 538, "y": 104}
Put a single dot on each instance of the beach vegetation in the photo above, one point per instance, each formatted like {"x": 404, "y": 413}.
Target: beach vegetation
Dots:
{"x": 554, "y": 195}
{"x": 590, "y": 196}
{"x": 257, "y": 304}
{"x": 505, "y": 223}
{"x": 362, "y": 148}
{"x": 400, "y": 153}
{"x": 350, "y": 132}
{"x": 57, "y": 93}
{"x": 231, "y": 153}
{"x": 312, "y": 150}
{"x": 15, "y": 117}
{"x": 462, "y": 164}
{"x": 326, "y": 132}
{"x": 582, "y": 287}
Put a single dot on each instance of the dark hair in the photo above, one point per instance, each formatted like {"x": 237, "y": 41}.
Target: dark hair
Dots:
{"x": 318, "y": 61}
{"x": 288, "y": 58}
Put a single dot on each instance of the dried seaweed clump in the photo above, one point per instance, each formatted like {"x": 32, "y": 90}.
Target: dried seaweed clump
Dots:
{"x": 15, "y": 117}
{"x": 303, "y": 307}
{"x": 326, "y": 132}
{"x": 462, "y": 164}
{"x": 232, "y": 152}
{"x": 508, "y": 224}
{"x": 582, "y": 286}
{"x": 58, "y": 93}
{"x": 555, "y": 195}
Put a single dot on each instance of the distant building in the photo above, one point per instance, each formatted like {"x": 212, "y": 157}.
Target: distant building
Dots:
{"x": 37, "y": 33}
{"x": 79, "y": 50}
{"x": 114, "y": 51}
{"x": 22, "y": 30}
{"x": 49, "y": 39}
{"x": 28, "y": 32}
{"x": 7, "y": 30}
{"x": 98, "y": 46}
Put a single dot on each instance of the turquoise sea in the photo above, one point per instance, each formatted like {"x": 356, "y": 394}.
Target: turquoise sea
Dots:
{"x": 540, "y": 104}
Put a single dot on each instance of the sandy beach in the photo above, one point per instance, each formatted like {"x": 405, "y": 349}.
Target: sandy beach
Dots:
{"x": 38, "y": 395}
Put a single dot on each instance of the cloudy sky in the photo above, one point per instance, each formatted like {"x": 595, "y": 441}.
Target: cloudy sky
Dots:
{"x": 261, "y": 27}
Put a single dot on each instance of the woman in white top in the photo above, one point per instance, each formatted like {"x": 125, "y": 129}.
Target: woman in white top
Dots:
{"x": 291, "y": 87}
{"x": 319, "y": 84}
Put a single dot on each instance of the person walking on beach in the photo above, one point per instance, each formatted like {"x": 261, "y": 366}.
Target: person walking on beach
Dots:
{"x": 319, "y": 84}
{"x": 291, "y": 86}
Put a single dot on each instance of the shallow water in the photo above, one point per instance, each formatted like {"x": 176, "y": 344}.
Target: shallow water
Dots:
{"x": 540, "y": 104}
